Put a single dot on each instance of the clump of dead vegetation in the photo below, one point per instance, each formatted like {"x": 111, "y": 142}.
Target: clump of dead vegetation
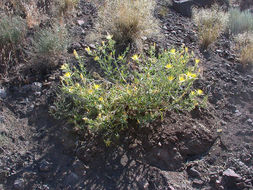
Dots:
{"x": 245, "y": 47}
{"x": 211, "y": 23}
{"x": 128, "y": 21}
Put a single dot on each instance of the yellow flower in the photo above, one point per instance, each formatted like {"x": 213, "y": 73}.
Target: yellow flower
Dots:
{"x": 64, "y": 67}
{"x": 191, "y": 75}
{"x": 90, "y": 91}
{"x": 96, "y": 86}
{"x": 197, "y": 61}
{"x": 193, "y": 93}
{"x": 76, "y": 54}
{"x": 81, "y": 76}
{"x": 67, "y": 75}
{"x": 186, "y": 49}
{"x": 107, "y": 142}
{"x": 135, "y": 57}
{"x": 219, "y": 130}
{"x": 85, "y": 118}
{"x": 103, "y": 43}
{"x": 128, "y": 91}
{"x": 96, "y": 58}
{"x": 77, "y": 85}
{"x": 109, "y": 37}
{"x": 171, "y": 78}
{"x": 172, "y": 51}
{"x": 88, "y": 50}
{"x": 168, "y": 66}
{"x": 101, "y": 99}
{"x": 71, "y": 89}
{"x": 182, "y": 78}
{"x": 200, "y": 92}
{"x": 120, "y": 57}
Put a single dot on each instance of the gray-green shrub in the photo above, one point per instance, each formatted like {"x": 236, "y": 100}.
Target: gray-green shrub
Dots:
{"x": 12, "y": 30}
{"x": 49, "y": 44}
{"x": 240, "y": 22}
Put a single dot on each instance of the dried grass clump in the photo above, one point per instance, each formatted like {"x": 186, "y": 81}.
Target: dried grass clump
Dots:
{"x": 129, "y": 21}
{"x": 211, "y": 23}
{"x": 240, "y": 22}
{"x": 49, "y": 46}
{"x": 245, "y": 47}
{"x": 33, "y": 15}
{"x": 66, "y": 6}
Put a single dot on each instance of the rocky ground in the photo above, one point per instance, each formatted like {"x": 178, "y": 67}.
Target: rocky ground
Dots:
{"x": 210, "y": 148}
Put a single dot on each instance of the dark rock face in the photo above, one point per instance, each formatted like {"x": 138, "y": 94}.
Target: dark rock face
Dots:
{"x": 183, "y": 7}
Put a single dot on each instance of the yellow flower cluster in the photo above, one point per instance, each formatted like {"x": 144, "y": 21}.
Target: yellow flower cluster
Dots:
{"x": 197, "y": 92}
{"x": 135, "y": 57}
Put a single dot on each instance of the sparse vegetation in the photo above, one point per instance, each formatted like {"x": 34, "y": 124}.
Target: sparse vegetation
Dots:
{"x": 136, "y": 90}
{"x": 128, "y": 21}
{"x": 211, "y": 23}
{"x": 12, "y": 32}
{"x": 240, "y": 22}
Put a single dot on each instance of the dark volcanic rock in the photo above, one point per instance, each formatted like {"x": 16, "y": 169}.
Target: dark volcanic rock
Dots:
{"x": 230, "y": 179}
{"x": 45, "y": 166}
{"x": 19, "y": 184}
{"x": 183, "y": 7}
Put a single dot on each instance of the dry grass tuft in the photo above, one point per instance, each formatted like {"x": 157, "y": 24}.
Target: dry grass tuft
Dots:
{"x": 245, "y": 47}
{"x": 211, "y": 23}
{"x": 33, "y": 15}
{"x": 66, "y": 6}
{"x": 129, "y": 21}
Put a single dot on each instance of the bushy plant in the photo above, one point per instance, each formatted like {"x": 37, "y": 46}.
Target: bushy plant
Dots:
{"x": 49, "y": 44}
{"x": 12, "y": 32}
{"x": 211, "y": 23}
{"x": 240, "y": 22}
{"x": 135, "y": 90}
{"x": 129, "y": 21}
